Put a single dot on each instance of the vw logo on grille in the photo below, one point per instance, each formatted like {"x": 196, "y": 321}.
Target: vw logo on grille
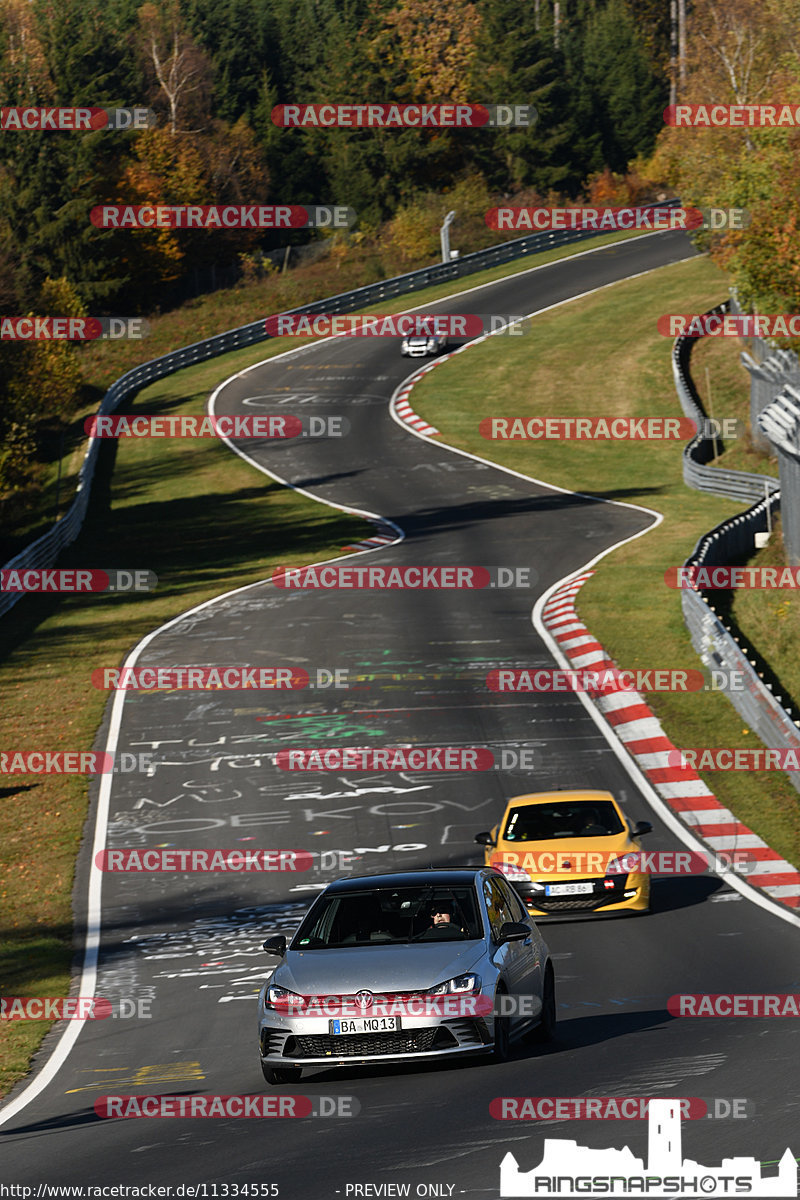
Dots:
{"x": 364, "y": 999}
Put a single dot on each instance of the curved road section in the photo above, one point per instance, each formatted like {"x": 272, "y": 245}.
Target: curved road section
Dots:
{"x": 182, "y": 950}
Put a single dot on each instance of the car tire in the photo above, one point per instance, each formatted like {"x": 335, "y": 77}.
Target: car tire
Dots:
{"x": 502, "y": 1034}
{"x": 546, "y": 1029}
{"x": 281, "y": 1074}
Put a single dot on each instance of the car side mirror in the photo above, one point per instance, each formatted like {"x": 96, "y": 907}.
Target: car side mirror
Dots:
{"x": 485, "y": 839}
{"x": 642, "y": 827}
{"x": 513, "y": 931}
{"x": 275, "y": 945}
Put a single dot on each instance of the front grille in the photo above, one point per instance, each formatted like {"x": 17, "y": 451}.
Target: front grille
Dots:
{"x": 357, "y": 1045}
{"x": 575, "y": 903}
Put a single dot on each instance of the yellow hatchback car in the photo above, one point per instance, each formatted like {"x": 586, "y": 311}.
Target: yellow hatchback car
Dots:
{"x": 564, "y": 852}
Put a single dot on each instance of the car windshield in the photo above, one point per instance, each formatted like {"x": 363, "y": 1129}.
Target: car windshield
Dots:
{"x": 380, "y": 916}
{"x": 567, "y": 819}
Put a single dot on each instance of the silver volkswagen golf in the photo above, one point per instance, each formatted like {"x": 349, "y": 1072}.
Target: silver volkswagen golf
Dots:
{"x": 414, "y": 965}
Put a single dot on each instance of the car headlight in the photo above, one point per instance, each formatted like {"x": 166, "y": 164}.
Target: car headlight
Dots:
{"x": 282, "y": 999}
{"x": 431, "y": 344}
{"x": 461, "y": 986}
{"x": 404, "y": 344}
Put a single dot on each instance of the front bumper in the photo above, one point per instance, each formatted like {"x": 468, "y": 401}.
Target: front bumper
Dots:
{"x": 307, "y": 1043}
{"x": 630, "y": 893}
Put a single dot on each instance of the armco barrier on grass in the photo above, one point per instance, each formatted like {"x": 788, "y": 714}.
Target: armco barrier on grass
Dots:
{"x": 45, "y": 550}
{"x": 727, "y": 543}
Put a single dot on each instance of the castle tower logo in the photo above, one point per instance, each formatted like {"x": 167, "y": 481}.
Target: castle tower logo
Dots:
{"x": 569, "y": 1170}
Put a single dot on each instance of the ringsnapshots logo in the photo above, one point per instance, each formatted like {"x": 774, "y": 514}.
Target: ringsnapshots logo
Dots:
{"x": 732, "y": 116}
{"x": 72, "y": 329}
{"x": 404, "y": 116}
{"x": 77, "y": 581}
{"x": 75, "y": 120}
{"x": 260, "y": 1106}
{"x": 607, "y": 220}
{"x": 222, "y": 216}
{"x": 567, "y": 1169}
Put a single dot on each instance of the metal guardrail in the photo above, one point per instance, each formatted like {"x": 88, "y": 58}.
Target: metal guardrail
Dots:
{"x": 45, "y": 550}
{"x": 716, "y": 644}
{"x": 701, "y": 450}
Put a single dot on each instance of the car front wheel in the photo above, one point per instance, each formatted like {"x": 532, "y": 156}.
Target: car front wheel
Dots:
{"x": 502, "y": 1034}
{"x": 545, "y": 1030}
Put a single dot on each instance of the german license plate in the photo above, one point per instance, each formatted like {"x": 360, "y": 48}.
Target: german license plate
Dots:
{"x": 569, "y": 889}
{"x": 364, "y": 1025}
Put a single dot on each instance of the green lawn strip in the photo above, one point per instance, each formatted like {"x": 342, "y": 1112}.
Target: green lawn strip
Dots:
{"x": 724, "y": 388}
{"x": 30, "y": 515}
{"x": 206, "y": 522}
{"x": 628, "y": 372}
